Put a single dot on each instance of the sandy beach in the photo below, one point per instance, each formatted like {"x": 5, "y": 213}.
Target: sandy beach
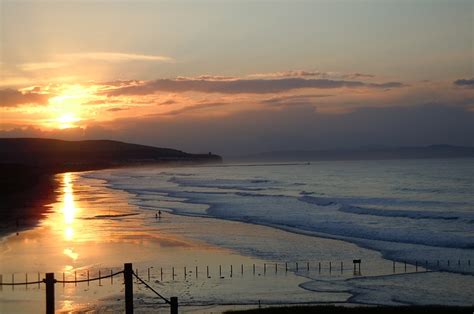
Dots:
{"x": 91, "y": 227}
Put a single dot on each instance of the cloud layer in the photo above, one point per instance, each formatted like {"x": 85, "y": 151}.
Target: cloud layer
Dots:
{"x": 240, "y": 86}
{"x": 292, "y": 128}
{"x": 12, "y": 98}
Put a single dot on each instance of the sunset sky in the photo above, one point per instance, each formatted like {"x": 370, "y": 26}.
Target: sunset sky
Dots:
{"x": 239, "y": 77}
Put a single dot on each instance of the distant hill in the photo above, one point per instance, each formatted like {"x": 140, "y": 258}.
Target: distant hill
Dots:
{"x": 367, "y": 153}
{"x": 79, "y": 155}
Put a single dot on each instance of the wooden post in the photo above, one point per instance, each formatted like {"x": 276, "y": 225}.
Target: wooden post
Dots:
{"x": 87, "y": 277}
{"x": 319, "y": 267}
{"x": 185, "y": 272}
{"x": 207, "y": 271}
{"x": 296, "y": 266}
{"x": 393, "y": 267}
{"x": 111, "y": 277}
{"x": 75, "y": 278}
{"x": 161, "y": 273}
{"x": 49, "y": 280}
{"x": 231, "y": 270}
{"x": 254, "y": 269}
{"x": 99, "y": 279}
{"x": 307, "y": 266}
{"x": 416, "y": 266}
{"x": 196, "y": 272}
{"x": 39, "y": 284}
{"x": 448, "y": 262}
{"x": 26, "y": 280}
{"x": 242, "y": 269}
{"x": 330, "y": 267}
{"x": 342, "y": 267}
{"x": 355, "y": 262}
{"x": 405, "y": 266}
{"x": 286, "y": 267}
{"x": 220, "y": 271}
{"x": 148, "y": 274}
{"x": 128, "y": 278}
{"x": 64, "y": 279}
{"x": 172, "y": 272}
{"x": 174, "y": 305}
{"x": 264, "y": 268}
{"x": 1, "y": 281}
{"x": 276, "y": 268}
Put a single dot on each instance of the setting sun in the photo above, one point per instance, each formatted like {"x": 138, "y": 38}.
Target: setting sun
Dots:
{"x": 67, "y": 121}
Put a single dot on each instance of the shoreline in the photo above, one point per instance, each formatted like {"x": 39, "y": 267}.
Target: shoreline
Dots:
{"x": 178, "y": 234}
{"x": 359, "y": 242}
{"x": 26, "y": 191}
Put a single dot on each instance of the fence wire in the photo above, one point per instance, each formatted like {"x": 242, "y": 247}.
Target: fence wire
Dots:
{"x": 25, "y": 283}
{"x": 149, "y": 287}
{"x": 92, "y": 279}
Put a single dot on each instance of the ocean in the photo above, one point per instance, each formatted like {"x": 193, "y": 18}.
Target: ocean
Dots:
{"x": 408, "y": 210}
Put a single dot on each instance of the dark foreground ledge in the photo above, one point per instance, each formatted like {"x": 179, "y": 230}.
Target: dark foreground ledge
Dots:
{"x": 24, "y": 192}
{"x": 330, "y": 309}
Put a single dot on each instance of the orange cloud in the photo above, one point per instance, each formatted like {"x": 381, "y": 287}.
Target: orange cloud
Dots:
{"x": 12, "y": 98}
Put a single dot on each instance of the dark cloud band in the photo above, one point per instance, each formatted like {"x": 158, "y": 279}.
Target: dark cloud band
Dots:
{"x": 465, "y": 82}
{"x": 257, "y": 86}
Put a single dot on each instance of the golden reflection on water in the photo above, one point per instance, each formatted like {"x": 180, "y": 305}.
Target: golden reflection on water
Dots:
{"x": 69, "y": 210}
{"x": 68, "y": 207}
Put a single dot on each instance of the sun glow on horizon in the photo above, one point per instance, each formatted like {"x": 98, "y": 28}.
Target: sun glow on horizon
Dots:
{"x": 66, "y": 108}
{"x": 67, "y": 121}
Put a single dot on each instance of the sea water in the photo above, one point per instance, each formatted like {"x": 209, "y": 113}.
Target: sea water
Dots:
{"x": 415, "y": 211}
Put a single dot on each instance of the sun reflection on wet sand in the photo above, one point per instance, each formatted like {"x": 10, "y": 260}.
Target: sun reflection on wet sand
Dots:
{"x": 69, "y": 210}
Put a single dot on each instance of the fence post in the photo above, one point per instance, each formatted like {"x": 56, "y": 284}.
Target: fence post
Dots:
{"x": 174, "y": 305}
{"x": 49, "y": 280}
{"x": 128, "y": 278}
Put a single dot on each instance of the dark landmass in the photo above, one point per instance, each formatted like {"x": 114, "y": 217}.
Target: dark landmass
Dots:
{"x": 367, "y": 153}
{"x": 330, "y": 309}
{"x": 27, "y": 167}
{"x": 59, "y": 156}
{"x": 24, "y": 192}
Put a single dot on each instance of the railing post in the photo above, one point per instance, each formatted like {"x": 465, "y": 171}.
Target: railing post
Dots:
{"x": 174, "y": 305}
{"x": 49, "y": 280}
{"x": 128, "y": 278}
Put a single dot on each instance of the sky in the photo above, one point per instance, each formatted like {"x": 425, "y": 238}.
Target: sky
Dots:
{"x": 239, "y": 77}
